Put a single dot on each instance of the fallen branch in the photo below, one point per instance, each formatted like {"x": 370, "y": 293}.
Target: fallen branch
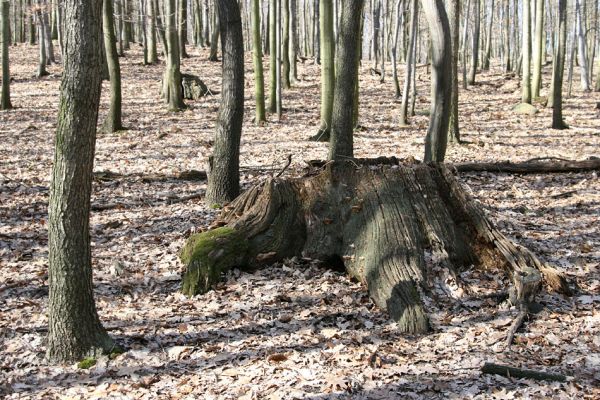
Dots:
{"x": 190, "y": 175}
{"x": 167, "y": 200}
{"x": 534, "y": 166}
{"x": 512, "y": 372}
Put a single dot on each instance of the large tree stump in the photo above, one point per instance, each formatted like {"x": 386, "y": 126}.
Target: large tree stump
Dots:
{"x": 390, "y": 224}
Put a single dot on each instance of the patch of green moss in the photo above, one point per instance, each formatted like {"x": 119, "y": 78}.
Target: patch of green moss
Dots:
{"x": 208, "y": 254}
{"x": 115, "y": 352}
{"x": 86, "y": 363}
{"x": 216, "y": 206}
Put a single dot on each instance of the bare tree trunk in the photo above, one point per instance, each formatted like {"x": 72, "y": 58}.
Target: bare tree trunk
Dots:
{"x": 464, "y": 42}
{"x": 260, "y": 117}
{"x": 454, "y": 131}
{"x": 327, "y": 47}
{"x": 293, "y": 41}
{"x": 582, "y": 48}
{"x": 488, "y": 45}
{"x": 113, "y": 121}
{"x": 151, "y": 33}
{"x": 526, "y": 53}
{"x": 182, "y": 27}
{"x": 475, "y": 43}
{"x": 285, "y": 44}
{"x": 559, "y": 66}
{"x": 346, "y": 75}
{"x": 536, "y": 83}
{"x": 224, "y": 177}
{"x": 5, "y": 103}
{"x": 74, "y": 329}
{"x": 172, "y": 91}
{"x": 507, "y": 42}
{"x": 414, "y": 12}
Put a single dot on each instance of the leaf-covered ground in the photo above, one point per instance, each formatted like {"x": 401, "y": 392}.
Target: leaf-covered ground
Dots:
{"x": 296, "y": 329}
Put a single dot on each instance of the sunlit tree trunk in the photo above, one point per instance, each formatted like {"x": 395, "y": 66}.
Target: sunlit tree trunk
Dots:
{"x": 526, "y": 53}
{"x": 327, "y": 69}
{"x": 582, "y": 48}
{"x": 559, "y": 65}
{"x": 258, "y": 67}
{"x": 475, "y": 42}
{"x": 285, "y": 44}
{"x": 182, "y": 27}
{"x": 172, "y": 91}
{"x": 454, "y": 131}
{"x": 414, "y": 12}
{"x": 488, "y": 45}
{"x": 536, "y": 83}
{"x": 113, "y": 122}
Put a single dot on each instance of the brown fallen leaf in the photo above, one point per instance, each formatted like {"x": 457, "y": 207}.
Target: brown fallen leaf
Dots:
{"x": 277, "y": 357}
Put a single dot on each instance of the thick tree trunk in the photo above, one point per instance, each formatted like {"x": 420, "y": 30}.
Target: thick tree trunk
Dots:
{"x": 390, "y": 225}
{"x": 224, "y": 177}
{"x": 113, "y": 122}
{"x": 441, "y": 80}
{"x": 5, "y": 102}
{"x": 346, "y": 76}
{"x": 259, "y": 84}
{"x": 74, "y": 329}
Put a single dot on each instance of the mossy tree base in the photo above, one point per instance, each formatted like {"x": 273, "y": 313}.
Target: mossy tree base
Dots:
{"x": 390, "y": 224}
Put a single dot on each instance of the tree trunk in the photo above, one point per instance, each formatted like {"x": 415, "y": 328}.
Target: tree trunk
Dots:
{"x": 224, "y": 178}
{"x": 113, "y": 122}
{"x": 398, "y": 22}
{"x": 285, "y": 44}
{"x": 74, "y": 329}
{"x": 172, "y": 91}
{"x": 526, "y": 53}
{"x": 536, "y": 83}
{"x": 293, "y": 41}
{"x": 582, "y": 48}
{"x": 390, "y": 225}
{"x": 272, "y": 56}
{"x": 214, "y": 40}
{"x": 464, "y": 44}
{"x": 327, "y": 47}
{"x": 414, "y": 12}
{"x": 47, "y": 35}
{"x": 5, "y": 102}
{"x": 346, "y": 75}
{"x": 475, "y": 42}
{"x": 119, "y": 32}
{"x": 278, "y": 58}
{"x": 559, "y": 66}
{"x": 507, "y": 42}
{"x": 182, "y": 27}
{"x": 441, "y": 80}
{"x": 488, "y": 45}
{"x": 151, "y": 34}
{"x": 454, "y": 130}
{"x": 42, "y": 44}
{"x": 258, "y": 66}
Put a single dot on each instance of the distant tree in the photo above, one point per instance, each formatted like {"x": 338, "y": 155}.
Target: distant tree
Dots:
{"x": 441, "y": 80}
{"x": 5, "y": 103}
{"x": 559, "y": 66}
{"x": 182, "y": 27}
{"x": 258, "y": 66}
{"x": 346, "y": 75}
{"x": 582, "y": 47}
{"x": 488, "y": 42}
{"x": 172, "y": 91}
{"x": 74, "y": 329}
{"x": 410, "y": 54}
{"x": 113, "y": 121}
{"x": 214, "y": 39}
{"x": 454, "y": 131}
{"x": 538, "y": 48}
{"x": 272, "y": 56}
{"x": 293, "y": 41}
{"x": 43, "y": 59}
{"x": 327, "y": 52}
{"x": 475, "y": 41}
{"x": 285, "y": 43}
{"x": 526, "y": 53}
{"x": 151, "y": 32}
{"x": 507, "y": 42}
{"x": 224, "y": 177}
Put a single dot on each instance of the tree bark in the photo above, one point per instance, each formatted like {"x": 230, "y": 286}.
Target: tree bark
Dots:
{"x": 488, "y": 41}
{"x": 5, "y": 103}
{"x": 475, "y": 41}
{"x": 172, "y": 91}
{"x": 582, "y": 48}
{"x": 74, "y": 329}
{"x": 224, "y": 177}
{"x": 414, "y": 12}
{"x": 386, "y": 223}
{"x": 182, "y": 27}
{"x": 293, "y": 41}
{"x": 113, "y": 121}
{"x": 214, "y": 40}
{"x": 507, "y": 42}
{"x": 285, "y": 44}
{"x": 346, "y": 75}
{"x": 272, "y": 56}
{"x": 398, "y": 22}
{"x": 536, "y": 83}
{"x": 327, "y": 52}
{"x": 454, "y": 130}
{"x": 526, "y": 53}
{"x": 259, "y": 85}
{"x": 441, "y": 80}
{"x": 559, "y": 67}
{"x": 151, "y": 32}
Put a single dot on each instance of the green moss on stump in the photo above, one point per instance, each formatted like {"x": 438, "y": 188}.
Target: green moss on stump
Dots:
{"x": 86, "y": 363}
{"x": 208, "y": 254}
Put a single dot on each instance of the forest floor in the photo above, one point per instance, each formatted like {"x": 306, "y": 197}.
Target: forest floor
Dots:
{"x": 294, "y": 329}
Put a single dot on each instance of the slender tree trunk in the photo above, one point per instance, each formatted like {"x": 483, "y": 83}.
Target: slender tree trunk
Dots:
{"x": 414, "y": 12}
{"x": 272, "y": 56}
{"x": 398, "y": 21}
{"x": 47, "y": 35}
{"x": 224, "y": 177}
{"x": 294, "y": 43}
{"x": 327, "y": 69}
{"x": 151, "y": 34}
{"x": 214, "y": 40}
{"x": 113, "y": 122}
{"x": 278, "y": 59}
{"x": 526, "y": 53}
{"x": 488, "y": 45}
{"x": 74, "y": 329}
{"x": 464, "y": 42}
{"x": 119, "y": 33}
{"x": 206, "y": 19}
{"x": 476, "y": 30}
{"x": 536, "y": 83}
{"x": 441, "y": 80}
{"x": 5, "y": 102}
{"x": 384, "y": 12}
{"x": 172, "y": 91}
{"x": 42, "y": 45}
{"x": 454, "y": 131}
{"x": 507, "y": 42}
{"x": 346, "y": 75}
{"x": 285, "y": 44}
{"x": 182, "y": 27}
{"x": 559, "y": 65}
{"x": 582, "y": 48}
{"x": 258, "y": 67}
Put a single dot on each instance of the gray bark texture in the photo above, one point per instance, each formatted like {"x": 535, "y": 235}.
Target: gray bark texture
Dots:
{"x": 113, "y": 122}
{"x": 389, "y": 222}
{"x": 224, "y": 176}
{"x": 5, "y": 103}
{"x": 74, "y": 329}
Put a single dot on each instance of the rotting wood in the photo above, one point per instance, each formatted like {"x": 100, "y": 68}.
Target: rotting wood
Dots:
{"x": 388, "y": 223}
{"x": 531, "y": 167}
{"x": 512, "y": 372}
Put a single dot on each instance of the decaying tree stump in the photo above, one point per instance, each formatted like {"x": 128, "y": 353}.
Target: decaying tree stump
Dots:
{"x": 390, "y": 224}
